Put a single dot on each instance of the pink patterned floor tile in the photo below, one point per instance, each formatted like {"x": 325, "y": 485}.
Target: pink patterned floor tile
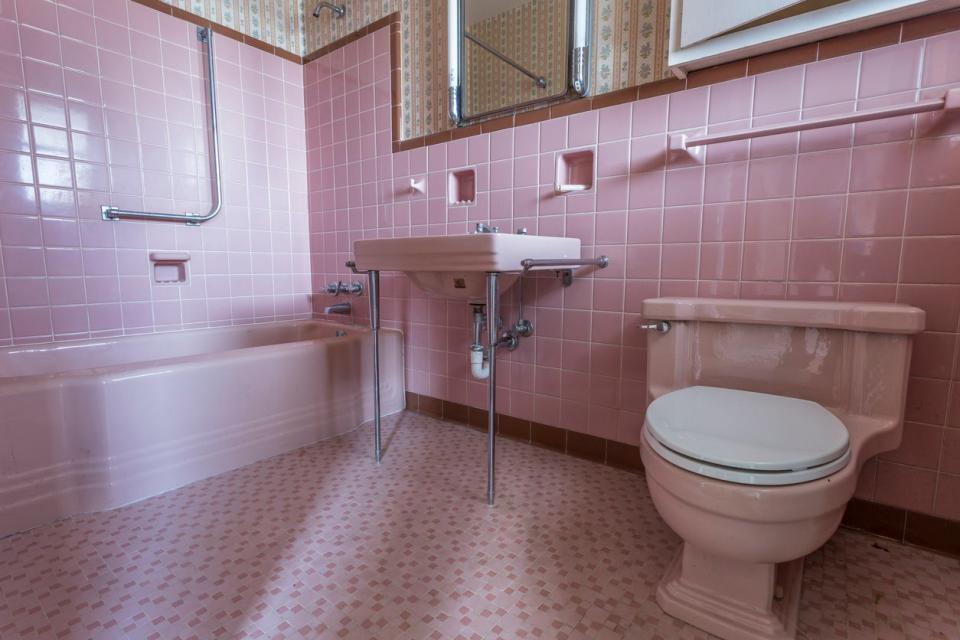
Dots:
{"x": 323, "y": 543}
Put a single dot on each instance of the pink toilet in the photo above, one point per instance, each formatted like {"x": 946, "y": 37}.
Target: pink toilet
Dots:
{"x": 762, "y": 414}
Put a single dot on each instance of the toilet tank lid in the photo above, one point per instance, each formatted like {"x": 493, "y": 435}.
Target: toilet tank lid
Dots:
{"x": 747, "y": 430}
{"x": 850, "y": 316}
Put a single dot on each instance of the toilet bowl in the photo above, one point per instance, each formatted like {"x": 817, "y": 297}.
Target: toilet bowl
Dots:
{"x": 761, "y": 416}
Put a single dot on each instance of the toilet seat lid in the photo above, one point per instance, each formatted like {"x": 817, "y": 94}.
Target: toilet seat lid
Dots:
{"x": 747, "y": 430}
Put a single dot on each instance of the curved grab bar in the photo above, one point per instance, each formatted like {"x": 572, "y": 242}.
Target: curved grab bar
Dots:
{"x": 115, "y": 213}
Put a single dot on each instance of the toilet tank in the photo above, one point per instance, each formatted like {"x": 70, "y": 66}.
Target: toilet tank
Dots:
{"x": 853, "y": 358}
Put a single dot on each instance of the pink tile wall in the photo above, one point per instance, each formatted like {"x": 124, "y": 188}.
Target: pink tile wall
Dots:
{"x": 104, "y": 103}
{"x": 866, "y": 212}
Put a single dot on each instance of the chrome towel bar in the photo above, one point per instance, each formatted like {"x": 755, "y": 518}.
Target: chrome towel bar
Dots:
{"x": 564, "y": 266}
{"x": 114, "y": 213}
{"x": 565, "y": 263}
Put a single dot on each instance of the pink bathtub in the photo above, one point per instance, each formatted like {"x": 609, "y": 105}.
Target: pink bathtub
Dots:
{"x": 92, "y": 425}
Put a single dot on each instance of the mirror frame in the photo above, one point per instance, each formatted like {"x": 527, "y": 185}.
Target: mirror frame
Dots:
{"x": 578, "y": 74}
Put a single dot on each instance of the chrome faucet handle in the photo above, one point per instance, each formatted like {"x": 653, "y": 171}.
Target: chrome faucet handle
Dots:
{"x": 338, "y": 287}
{"x": 660, "y": 326}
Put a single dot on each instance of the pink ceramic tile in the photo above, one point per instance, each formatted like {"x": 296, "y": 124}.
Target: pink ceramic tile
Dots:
{"x": 871, "y": 260}
{"x": 884, "y": 166}
{"x": 926, "y": 212}
{"x": 683, "y": 186}
{"x": 819, "y": 217}
{"x": 688, "y": 109}
{"x": 830, "y": 81}
{"x": 938, "y": 66}
{"x": 934, "y": 260}
{"x": 876, "y": 213}
{"x": 906, "y": 487}
{"x": 723, "y": 222}
{"x": 613, "y": 159}
{"x": 778, "y": 91}
{"x": 720, "y": 260}
{"x": 679, "y": 261}
{"x": 649, "y": 116}
{"x": 582, "y": 129}
{"x": 764, "y": 261}
{"x": 725, "y": 182}
{"x": 815, "y": 261}
{"x": 890, "y": 69}
{"x": 778, "y": 145}
{"x": 732, "y": 100}
{"x": 823, "y": 173}
{"x": 935, "y": 162}
{"x": 768, "y": 220}
{"x": 615, "y": 122}
{"x": 771, "y": 177}
{"x": 681, "y": 224}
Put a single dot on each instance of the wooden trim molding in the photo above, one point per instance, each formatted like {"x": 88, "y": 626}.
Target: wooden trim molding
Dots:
{"x": 219, "y": 29}
{"x": 389, "y": 19}
{"x": 906, "y": 527}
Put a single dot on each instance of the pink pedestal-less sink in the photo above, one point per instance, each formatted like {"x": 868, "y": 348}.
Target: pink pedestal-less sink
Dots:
{"x": 455, "y": 266}
{"x": 762, "y": 414}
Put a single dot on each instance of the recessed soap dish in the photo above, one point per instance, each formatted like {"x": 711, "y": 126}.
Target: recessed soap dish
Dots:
{"x": 574, "y": 172}
{"x": 169, "y": 267}
{"x": 462, "y": 187}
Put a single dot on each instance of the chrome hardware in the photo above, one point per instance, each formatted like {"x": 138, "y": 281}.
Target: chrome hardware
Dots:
{"x": 522, "y": 231}
{"x": 339, "y": 10}
{"x": 108, "y": 212}
{"x": 485, "y": 228}
{"x": 660, "y": 326}
{"x": 538, "y": 80}
{"x": 580, "y": 70}
{"x": 341, "y": 308}
{"x": 523, "y": 328}
{"x": 336, "y": 288}
{"x": 340, "y": 333}
{"x": 565, "y": 274}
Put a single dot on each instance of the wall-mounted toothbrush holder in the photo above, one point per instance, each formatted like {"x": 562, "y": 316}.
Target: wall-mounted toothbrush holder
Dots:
{"x": 418, "y": 185}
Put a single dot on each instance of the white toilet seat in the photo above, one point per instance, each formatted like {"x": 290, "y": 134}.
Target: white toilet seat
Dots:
{"x": 746, "y": 437}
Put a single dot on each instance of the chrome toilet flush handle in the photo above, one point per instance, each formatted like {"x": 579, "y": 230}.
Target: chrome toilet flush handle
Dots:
{"x": 660, "y": 326}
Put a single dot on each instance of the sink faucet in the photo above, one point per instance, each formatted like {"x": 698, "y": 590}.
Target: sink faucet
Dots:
{"x": 342, "y": 308}
{"x": 484, "y": 228}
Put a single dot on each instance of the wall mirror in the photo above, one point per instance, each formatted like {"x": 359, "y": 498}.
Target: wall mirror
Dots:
{"x": 506, "y": 55}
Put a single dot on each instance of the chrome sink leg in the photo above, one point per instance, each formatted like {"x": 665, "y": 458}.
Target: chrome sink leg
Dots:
{"x": 374, "y": 289}
{"x": 492, "y": 338}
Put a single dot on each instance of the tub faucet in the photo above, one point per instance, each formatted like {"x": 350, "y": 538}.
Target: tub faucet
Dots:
{"x": 342, "y": 308}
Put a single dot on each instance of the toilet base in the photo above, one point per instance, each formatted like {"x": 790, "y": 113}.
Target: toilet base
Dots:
{"x": 732, "y": 599}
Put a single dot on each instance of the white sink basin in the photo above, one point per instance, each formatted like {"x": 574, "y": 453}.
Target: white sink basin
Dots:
{"x": 456, "y": 266}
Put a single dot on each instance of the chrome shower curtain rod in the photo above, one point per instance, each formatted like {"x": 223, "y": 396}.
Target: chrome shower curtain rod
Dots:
{"x": 114, "y": 213}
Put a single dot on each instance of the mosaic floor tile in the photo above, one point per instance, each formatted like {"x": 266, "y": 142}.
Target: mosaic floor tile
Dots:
{"x": 324, "y": 543}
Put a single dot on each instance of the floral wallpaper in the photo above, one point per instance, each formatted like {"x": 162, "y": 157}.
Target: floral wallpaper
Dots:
{"x": 278, "y": 22}
{"x": 629, "y": 43}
